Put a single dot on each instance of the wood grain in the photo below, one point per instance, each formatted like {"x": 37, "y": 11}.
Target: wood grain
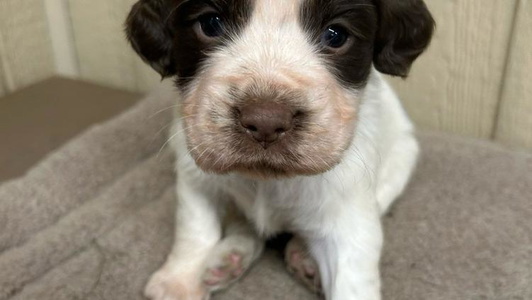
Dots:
{"x": 103, "y": 53}
{"x": 515, "y": 116}
{"x": 25, "y": 45}
{"x": 2, "y": 88}
{"x": 60, "y": 31}
{"x": 455, "y": 86}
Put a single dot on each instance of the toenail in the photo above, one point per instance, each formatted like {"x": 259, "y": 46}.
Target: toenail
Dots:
{"x": 211, "y": 282}
{"x": 309, "y": 271}
{"x": 217, "y": 272}
{"x": 235, "y": 258}
{"x": 295, "y": 256}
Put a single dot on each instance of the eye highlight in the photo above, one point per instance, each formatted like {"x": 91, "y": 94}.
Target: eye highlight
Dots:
{"x": 335, "y": 37}
{"x": 211, "y": 25}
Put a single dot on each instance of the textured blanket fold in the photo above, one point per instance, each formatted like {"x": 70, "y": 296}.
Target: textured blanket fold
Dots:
{"x": 94, "y": 220}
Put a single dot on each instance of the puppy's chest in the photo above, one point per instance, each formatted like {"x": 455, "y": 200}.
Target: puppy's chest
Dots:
{"x": 273, "y": 207}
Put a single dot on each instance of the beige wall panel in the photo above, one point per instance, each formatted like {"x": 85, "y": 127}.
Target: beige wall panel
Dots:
{"x": 25, "y": 46}
{"x": 146, "y": 77}
{"x": 103, "y": 53}
{"x": 515, "y": 118}
{"x": 2, "y": 89}
{"x": 455, "y": 86}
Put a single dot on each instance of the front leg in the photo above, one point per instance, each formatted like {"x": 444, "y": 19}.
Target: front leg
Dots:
{"x": 198, "y": 230}
{"x": 347, "y": 249}
{"x": 234, "y": 254}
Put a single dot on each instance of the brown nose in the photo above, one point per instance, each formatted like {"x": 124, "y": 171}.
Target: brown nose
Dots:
{"x": 266, "y": 122}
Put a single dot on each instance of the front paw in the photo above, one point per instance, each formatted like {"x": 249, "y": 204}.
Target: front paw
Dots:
{"x": 228, "y": 261}
{"x": 168, "y": 285}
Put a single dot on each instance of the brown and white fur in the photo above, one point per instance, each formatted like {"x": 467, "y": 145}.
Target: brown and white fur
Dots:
{"x": 347, "y": 153}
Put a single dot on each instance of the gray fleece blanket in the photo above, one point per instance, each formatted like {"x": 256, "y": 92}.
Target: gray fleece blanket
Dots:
{"x": 95, "y": 219}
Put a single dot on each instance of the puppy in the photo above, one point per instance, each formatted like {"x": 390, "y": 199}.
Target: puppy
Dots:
{"x": 285, "y": 125}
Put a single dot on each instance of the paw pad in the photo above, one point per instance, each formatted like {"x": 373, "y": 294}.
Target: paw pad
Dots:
{"x": 225, "y": 271}
{"x": 302, "y": 265}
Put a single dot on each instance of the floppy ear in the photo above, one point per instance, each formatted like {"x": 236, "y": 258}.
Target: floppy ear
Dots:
{"x": 148, "y": 31}
{"x": 405, "y": 31}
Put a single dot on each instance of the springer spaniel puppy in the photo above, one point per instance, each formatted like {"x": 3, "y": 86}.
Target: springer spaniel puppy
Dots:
{"x": 285, "y": 125}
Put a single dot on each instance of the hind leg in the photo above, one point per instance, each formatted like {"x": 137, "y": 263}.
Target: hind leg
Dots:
{"x": 396, "y": 171}
{"x": 301, "y": 264}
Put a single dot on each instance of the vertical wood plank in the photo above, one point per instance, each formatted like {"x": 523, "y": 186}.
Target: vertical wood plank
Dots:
{"x": 104, "y": 55}
{"x": 514, "y": 126}
{"x": 25, "y": 46}
{"x": 2, "y": 88}
{"x": 60, "y": 31}
{"x": 455, "y": 86}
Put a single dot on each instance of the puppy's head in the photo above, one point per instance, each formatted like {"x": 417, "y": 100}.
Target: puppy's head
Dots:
{"x": 272, "y": 87}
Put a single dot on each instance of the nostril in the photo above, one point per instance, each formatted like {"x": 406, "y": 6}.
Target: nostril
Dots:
{"x": 251, "y": 128}
{"x": 280, "y": 130}
{"x": 298, "y": 114}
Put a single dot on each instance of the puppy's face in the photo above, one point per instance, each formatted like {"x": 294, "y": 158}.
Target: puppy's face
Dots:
{"x": 272, "y": 87}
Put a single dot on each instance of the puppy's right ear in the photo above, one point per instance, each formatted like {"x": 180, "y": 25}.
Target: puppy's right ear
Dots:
{"x": 405, "y": 31}
{"x": 149, "y": 32}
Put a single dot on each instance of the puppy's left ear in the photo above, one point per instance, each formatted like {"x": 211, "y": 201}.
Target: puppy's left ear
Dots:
{"x": 405, "y": 31}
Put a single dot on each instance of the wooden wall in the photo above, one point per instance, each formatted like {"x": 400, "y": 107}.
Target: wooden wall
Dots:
{"x": 456, "y": 85}
{"x": 26, "y": 54}
{"x": 514, "y": 120}
{"x": 104, "y": 55}
{"x": 475, "y": 80}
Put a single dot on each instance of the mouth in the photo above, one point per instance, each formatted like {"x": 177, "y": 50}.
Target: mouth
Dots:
{"x": 263, "y": 170}
{"x": 277, "y": 160}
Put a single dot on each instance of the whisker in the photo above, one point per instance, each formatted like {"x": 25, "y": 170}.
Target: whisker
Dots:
{"x": 209, "y": 150}
{"x": 189, "y": 152}
{"x": 161, "y": 130}
{"x": 174, "y": 135}
{"x": 166, "y": 143}
{"x": 163, "y": 110}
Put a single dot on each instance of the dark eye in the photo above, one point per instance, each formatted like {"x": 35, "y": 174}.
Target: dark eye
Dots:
{"x": 335, "y": 37}
{"x": 211, "y": 25}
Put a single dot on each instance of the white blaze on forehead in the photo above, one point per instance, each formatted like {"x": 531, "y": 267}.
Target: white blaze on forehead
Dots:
{"x": 273, "y": 40}
{"x": 274, "y": 26}
{"x": 276, "y": 11}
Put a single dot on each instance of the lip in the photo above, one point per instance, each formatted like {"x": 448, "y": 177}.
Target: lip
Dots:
{"x": 264, "y": 165}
